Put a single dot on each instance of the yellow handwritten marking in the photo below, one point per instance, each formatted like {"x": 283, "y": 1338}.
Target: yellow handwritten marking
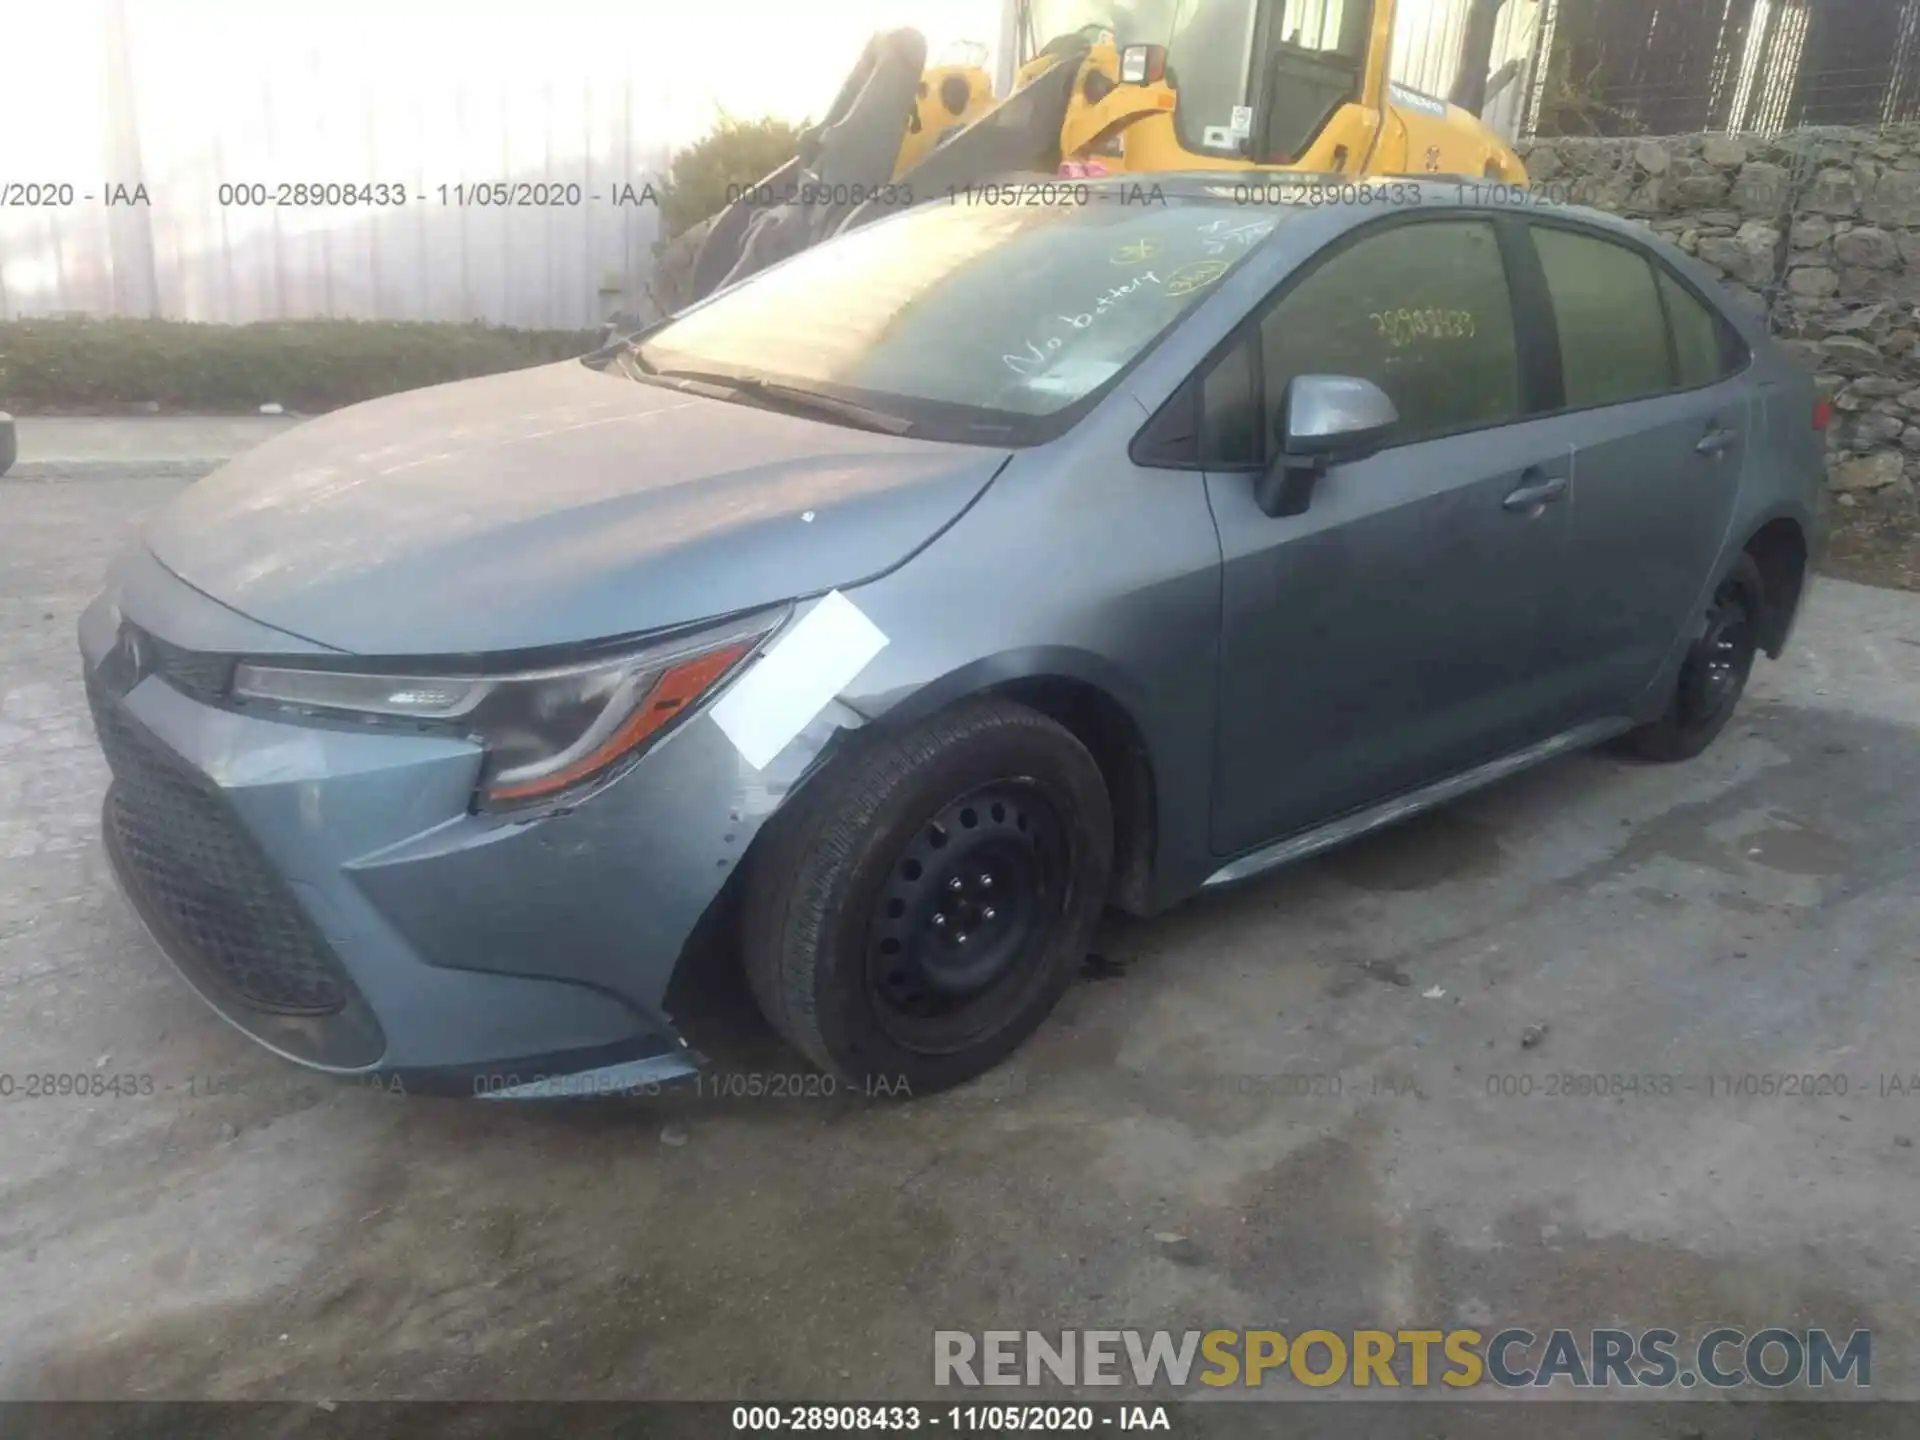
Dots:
{"x": 1401, "y": 328}
{"x": 1197, "y": 276}
{"x": 1136, "y": 252}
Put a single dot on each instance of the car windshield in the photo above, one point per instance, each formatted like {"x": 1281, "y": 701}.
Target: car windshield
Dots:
{"x": 977, "y": 321}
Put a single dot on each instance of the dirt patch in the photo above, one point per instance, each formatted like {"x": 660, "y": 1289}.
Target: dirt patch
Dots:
{"x": 1876, "y": 542}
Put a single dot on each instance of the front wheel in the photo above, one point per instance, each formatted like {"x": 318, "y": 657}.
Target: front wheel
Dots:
{"x": 1713, "y": 674}
{"x": 928, "y": 898}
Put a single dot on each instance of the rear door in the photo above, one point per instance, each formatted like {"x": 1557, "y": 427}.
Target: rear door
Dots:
{"x": 1401, "y": 629}
{"x": 1659, "y": 423}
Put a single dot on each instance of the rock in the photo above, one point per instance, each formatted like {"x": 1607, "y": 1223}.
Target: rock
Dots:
{"x": 1871, "y": 432}
{"x": 1911, "y": 399}
{"x": 1813, "y": 280}
{"x": 674, "y": 1135}
{"x": 1869, "y": 473}
{"x": 1889, "y": 407}
{"x": 1531, "y": 1037}
{"x": 1810, "y": 232}
{"x": 1722, "y": 219}
{"x": 1653, "y": 157}
{"x": 1750, "y": 255}
{"x": 1868, "y": 247}
{"x": 1761, "y": 189}
{"x": 1543, "y": 162}
{"x": 1704, "y": 191}
{"x": 1894, "y": 199}
{"x": 1910, "y": 440}
{"x": 1729, "y": 151}
{"x": 1855, "y": 321}
{"x": 1849, "y": 400}
{"x": 1646, "y": 200}
{"x": 1848, "y": 501}
{"x": 1877, "y": 387}
{"x": 1833, "y": 192}
{"x": 1851, "y": 357}
{"x": 1909, "y": 243}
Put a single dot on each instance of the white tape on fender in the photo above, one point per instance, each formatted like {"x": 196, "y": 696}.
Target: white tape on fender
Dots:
{"x": 797, "y": 678}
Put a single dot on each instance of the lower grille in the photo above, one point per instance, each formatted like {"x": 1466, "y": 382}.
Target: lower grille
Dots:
{"x": 193, "y": 863}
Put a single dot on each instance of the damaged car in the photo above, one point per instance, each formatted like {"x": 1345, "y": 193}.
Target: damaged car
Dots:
{"x": 906, "y": 605}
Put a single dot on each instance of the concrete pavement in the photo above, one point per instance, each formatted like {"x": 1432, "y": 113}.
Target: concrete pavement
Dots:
{"x": 106, "y": 447}
{"x": 1305, "y": 1103}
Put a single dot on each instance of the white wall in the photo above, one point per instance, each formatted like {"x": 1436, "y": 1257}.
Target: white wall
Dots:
{"x": 185, "y": 95}
{"x": 414, "y": 92}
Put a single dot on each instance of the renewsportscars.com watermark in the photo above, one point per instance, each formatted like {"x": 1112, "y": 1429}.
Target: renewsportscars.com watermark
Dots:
{"x": 1722, "y": 1358}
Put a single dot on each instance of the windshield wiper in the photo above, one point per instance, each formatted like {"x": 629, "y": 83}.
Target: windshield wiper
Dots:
{"x": 793, "y": 397}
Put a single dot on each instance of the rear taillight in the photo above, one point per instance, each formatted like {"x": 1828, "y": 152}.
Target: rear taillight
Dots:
{"x": 1822, "y": 414}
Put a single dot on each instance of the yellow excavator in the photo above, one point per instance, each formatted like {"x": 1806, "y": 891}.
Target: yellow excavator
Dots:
{"x": 1133, "y": 87}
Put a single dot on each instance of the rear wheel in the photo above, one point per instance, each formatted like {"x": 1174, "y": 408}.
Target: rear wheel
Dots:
{"x": 925, "y": 902}
{"x": 1713, "y": 675}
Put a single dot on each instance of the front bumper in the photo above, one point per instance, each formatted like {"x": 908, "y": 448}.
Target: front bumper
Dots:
{"x": 328, "y": 890}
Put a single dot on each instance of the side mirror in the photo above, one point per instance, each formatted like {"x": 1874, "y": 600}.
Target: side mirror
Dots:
{"x": 1143, "y": 64}
{"x": 1324, "y": 420}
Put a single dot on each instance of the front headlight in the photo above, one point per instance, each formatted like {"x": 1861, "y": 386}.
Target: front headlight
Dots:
{"x": 545, "y": 731}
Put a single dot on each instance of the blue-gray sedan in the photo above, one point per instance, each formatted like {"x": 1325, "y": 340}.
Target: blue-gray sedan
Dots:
{"x": 893, "y": 612}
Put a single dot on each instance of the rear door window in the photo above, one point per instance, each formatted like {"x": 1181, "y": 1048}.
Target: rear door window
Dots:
{"x": 1613, "y": 328}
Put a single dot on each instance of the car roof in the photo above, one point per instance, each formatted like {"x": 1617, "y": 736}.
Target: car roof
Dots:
{"x": 1343, "y": 194}
{"x": 1334, "y": 190}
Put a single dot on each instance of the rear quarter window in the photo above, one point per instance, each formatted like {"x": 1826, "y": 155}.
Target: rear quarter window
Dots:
{"x": 1704, "y": 348}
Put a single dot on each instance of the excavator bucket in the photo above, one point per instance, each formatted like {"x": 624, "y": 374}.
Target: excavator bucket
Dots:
{"x": 843, "y": 175}
{"x": 1020, "y": 134}
{"x": 842, "y": 161}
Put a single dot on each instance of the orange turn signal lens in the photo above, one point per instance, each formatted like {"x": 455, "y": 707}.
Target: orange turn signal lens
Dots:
{"x": 670, "y": 695}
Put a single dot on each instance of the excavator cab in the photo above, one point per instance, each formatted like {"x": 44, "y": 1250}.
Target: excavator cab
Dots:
{"x": 1254, "y": 85}
{"x": 1253, "y": 82}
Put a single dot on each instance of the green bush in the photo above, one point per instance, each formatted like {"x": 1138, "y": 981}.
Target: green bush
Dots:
{"x": 735, "y": 153}
{"x": 305, "y": 365}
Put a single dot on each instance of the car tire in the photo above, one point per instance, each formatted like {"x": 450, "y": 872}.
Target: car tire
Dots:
{"x": 1714, "y": 672}
{"x": 987, "y": 826}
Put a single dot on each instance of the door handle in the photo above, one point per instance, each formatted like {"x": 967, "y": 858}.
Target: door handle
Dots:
{"x": 1538, "y": 492}
{"x": 1715, "y": 443}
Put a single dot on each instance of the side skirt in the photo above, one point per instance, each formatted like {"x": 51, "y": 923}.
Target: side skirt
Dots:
{"x": 1401, "y": 807}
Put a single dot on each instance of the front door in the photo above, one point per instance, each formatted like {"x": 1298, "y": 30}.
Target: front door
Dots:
{"x": 1405, "y": 627}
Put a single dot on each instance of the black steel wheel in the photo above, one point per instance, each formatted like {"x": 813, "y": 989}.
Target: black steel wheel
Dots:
{"x": 972, "y": 900}
{"x": 921, "y": 905}
{"x": 1713, "y": 673}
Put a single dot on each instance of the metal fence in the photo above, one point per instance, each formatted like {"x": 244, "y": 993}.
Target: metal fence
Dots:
{"x": 1668, "y": 67}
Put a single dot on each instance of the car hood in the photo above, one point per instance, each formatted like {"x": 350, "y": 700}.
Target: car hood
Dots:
{"x": 549, "y": 506}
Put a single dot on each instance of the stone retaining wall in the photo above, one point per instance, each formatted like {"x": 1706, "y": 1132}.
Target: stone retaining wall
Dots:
{"x": 1818, "y": 229}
